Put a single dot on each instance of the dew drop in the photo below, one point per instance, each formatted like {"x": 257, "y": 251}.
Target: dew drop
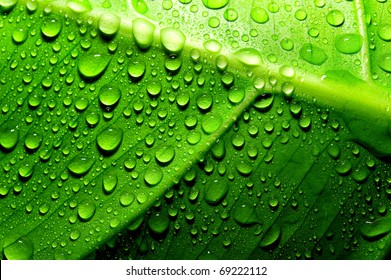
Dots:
{"x": 236, "y": 95}
{"x": 384, "y": 62}
{"x": 172, "y": 39}
{"x": 287, "y": 44}
{"x": 80, "y": 165}
{"x": 230, "y": 14}
{"x": 136, "y": 69}
{"x": 140, "y": 6}
{"x": 211, "y": 123}
{"x": 86, "y": 209}
{"x": 143, "y": 32}
{"x": 109, "y": 140}
{"x": 271, "y": 237}
{"x": 244, "y": 214}
{"x": 344, "y": 168}
{"x": 244, "y": 167}
{"x": 26, "y": 170}
{"x": 313, "y": 54}
{"x": 21, "y": 249}
{"x": 33, "y": 141}
{"x": 79, "y": 6}
{"x": 92, "y": 65}
{"x": 204, "y": 102}
{"x": 51, "y": 27}
{"x": 264, "y": 102}
{"x": 384, "y": 32}
{"x": 259, "y": 15}
{"x": 109, "y": 182}
{"x": 7, "y": 5}
{"x": 74, "y": 235}
{"x": 19, "y": 35}
{"x": 109, "y": 95}
{"x": 9, "y": 137}
{"x": 216, "y": 192}
{"x": 249, "y": 56}
{"x": 165, "y": 154}
{"x": 213, "y": 46}
{"x": 159, "y": 222}
{"x": 109, "y": 24}
{"x": 215, "y": 4}
{"x": 153, "y": 175}
{"x": 126, "y": 198}
{"x": 335, "y": 18}
{"x": 376, "y": 229}
{"x": 349, "y": 43}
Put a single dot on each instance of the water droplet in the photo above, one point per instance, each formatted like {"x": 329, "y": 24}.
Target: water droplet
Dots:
{"x": 7, "y": 5}
{"x": 140, "y": 6}
{"x": 376, "y": 229}
{"x": 360, "y": 175}
{"x": 21, "y": 249}
{"x": 79, "y": 6}
{"x": 172, "y": 39}
{"x": 109, "y": 182}
{"x": 349, "y": 43}
{"x": 153, "y": 175}
{"x": 136, "y": 69}
{"x": 236, "y": 95}
{"x": 51, "y": 27}
{"x": 215, "y": 4}
{"x": 271, "y": 237}
{"x": 287, "y": 44}
{"x": 213, "y": 46}
{"x": 33, "y": 141}
{"x": 126, "y": 198}
{"x": 244, "y": 167}
{"x": 9, "y": 137}
{"x": 264, "y": 102}
{"x": 109, "y": 24}
{"x": 204, "y": 102}
{"x": 216, "y": 192}
{"x": 109, "y": 140}
{"x": 109, "y": 95}
{"x": 86, "y": 209}
{"x": 154, "y": 88}
{"x": 193, "y": 137}
{"x": 143, "y": 32}
{"x": 384, "y": 62}
{"x": 384, "y": 32}
{"x": 313, "y": 54}
{"x": 335, "y": 18}
{"x": 344, "y": 168}
{"x": 211, "y": 123}
{"x": 92, "y": 65}
{"x": 19, "y": 35}
{"x": 259, "y": 15}
{"x": 244, "y": 214}
{"x": 74, "y": 235}
{"x": 300, "y": 14}
{"x": 80, "y": 165}
{"x": 230, "y": 14}
{"x": 249, "y": 56}
{"x": 159, "y": 222}
{"x": 26, "y": 170}
{"x": 165, "y": 154}
{"x": 305, "y": 122}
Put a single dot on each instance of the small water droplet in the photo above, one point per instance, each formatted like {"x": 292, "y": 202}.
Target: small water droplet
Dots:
{"x": 259, "y": 15}
{"x": 335, "y": 18}
{"x": 140, "y": 6}
{"x": 109, "y": 182}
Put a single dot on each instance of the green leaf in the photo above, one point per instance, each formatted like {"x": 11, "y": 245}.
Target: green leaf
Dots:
{"x": 234, "y": 131}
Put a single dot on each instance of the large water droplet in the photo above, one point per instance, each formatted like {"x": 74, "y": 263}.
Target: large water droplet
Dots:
{"x": 384, "y": 62}
{"x": 140, "y": 6}
{"x": 109, "y": 95}
{"x": 259, "y": 15}
{"x": 313, "y": 54}
{"x": 165, "y": 154}
{"x": 136, "y": 69}
{"x": 348, "y": 43}
{"x": 376, "y": 229}
{"x": 126, "y": 198}
{"x": 244, "y": 214}
{"x": 216, "y": 192}
{"x": 79, "y": 6}
{"x": 86, "y": 209}
{"x": 143, "y": 32}
{"x": 51, "y": 27}
{"x": 7, "y": 5}
{"x": 249, "y": 56}
{"x": 80, "y": 165}
{"x": 33, "y": 141}
{"x": 109, "y": 24}
{"x": 109, "y": 182}
{"x": 271, "y": 237}
{"x": 92, "y": 65}
{"x": 109, "y": 140}
{"x": 211, "y": 123}
{"x": 153, "y": 175}
{"x": 19, "y": 35}
{"x": 26, "y": 170}
{"x": 384, "y": 32}
{"x": 245, "y": 168}
{"x": 22, "y": 249}
{"x": 159, "y": 222}
{"x": 172, "y": 39}
{"x": 335, "y": 18}
{"x": 215, "y": 4}
{"x": 9, "y": 137}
